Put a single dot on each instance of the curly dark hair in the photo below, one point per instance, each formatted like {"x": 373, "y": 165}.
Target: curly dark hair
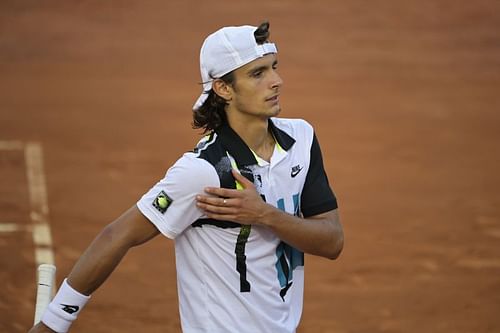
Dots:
{"x": 212, "y": 113}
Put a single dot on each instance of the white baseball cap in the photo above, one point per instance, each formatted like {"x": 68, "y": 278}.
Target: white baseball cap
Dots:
{"x": 226, "y": 50}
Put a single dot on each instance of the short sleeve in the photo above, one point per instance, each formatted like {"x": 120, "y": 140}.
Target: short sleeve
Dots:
{"x": 317, "y": 196}
{"x": 171, "y": 204}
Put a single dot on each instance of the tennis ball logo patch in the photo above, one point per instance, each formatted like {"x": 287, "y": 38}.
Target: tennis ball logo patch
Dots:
{"x": 162, "y": 202}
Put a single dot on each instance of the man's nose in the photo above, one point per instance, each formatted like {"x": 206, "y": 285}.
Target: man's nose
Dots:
{"x": 276, "y": 80}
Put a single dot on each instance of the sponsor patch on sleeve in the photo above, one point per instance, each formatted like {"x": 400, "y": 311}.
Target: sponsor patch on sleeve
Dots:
{"x": 162, "y": 202}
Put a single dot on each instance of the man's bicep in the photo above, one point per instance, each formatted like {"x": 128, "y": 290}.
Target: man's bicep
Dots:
{"x": 134, "y": 228}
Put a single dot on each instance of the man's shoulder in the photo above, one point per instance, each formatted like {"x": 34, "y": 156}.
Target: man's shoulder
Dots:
{"x": 208, "y": 149}
{"x": 290, "y": 121}
{"x": 191, "y": 161}
{"x": 297, "y": 128}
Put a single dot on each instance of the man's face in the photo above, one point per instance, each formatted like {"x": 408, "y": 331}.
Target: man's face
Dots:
{"x": 257, "y": 88}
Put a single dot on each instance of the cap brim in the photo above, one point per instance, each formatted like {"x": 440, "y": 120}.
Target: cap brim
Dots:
{"x": 199, "y": 102}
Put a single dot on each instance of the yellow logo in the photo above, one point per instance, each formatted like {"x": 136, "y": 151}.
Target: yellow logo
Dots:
{"x": 162, "y": 202}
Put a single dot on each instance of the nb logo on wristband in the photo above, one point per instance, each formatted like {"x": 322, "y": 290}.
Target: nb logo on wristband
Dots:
{"x": 70, "y": 308}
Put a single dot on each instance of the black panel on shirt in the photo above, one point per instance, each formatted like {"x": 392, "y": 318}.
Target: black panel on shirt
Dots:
{"x": 317, "y": 196}
{"x": 216, "y": 154}
{"x": 217, "y": 223}
{"x": 241, "y": 152}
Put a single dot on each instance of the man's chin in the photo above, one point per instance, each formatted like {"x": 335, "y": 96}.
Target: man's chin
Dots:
{"x": 276, "y": 111}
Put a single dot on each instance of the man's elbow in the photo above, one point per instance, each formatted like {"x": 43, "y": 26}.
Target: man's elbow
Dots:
{"x": 336, "y": 246}
{"x": 336, "y": 236}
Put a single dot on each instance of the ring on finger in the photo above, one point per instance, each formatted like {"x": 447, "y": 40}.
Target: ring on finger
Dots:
{"x": 224, "y": 202}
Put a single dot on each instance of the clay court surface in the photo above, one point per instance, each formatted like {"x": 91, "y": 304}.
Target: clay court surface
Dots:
{"x": 404, "y": 96}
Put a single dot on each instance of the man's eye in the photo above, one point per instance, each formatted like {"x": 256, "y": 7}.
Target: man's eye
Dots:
{"x": 257, "y": 73}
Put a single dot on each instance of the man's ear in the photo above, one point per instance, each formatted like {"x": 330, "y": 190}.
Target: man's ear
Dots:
{"x": 222, "y": 89}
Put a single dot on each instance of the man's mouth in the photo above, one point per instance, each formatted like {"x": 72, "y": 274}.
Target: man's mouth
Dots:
{"x": 274, "y": 98}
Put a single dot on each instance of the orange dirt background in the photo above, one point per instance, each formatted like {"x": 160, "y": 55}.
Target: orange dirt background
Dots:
{"x": 404, "y": 96}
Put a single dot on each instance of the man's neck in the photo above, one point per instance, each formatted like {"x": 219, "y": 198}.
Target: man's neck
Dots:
{"x": 256, "y": 134}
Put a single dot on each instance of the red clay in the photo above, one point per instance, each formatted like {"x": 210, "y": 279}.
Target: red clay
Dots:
{"x": 404, "y": 97}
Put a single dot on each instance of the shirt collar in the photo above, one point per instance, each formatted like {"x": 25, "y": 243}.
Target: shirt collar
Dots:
{"x": 241, "y": 152}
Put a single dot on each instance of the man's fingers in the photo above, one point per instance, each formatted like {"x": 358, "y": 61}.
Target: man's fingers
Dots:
{"x": 216, "y": 208}
{"x": 215, "y": 201}
{"x": 223, "y": 192}
{"x": 241, "y": 179}
{"x": 230, "y": 193}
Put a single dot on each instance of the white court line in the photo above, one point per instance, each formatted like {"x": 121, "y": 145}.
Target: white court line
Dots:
{"x": 10, "y": 227}
{"x": 11, "y": 145}
{"x": 39, "y": 206}
{"x": 41, "y": 234}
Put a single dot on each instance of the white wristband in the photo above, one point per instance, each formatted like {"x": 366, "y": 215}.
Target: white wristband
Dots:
{"x": 64, "y": 308}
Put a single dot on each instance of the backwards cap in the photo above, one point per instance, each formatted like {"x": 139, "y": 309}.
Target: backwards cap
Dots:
{"x": 226, "y": 50}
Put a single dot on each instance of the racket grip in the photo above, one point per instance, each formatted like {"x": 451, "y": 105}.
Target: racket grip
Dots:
{"x": 46, "y": 277}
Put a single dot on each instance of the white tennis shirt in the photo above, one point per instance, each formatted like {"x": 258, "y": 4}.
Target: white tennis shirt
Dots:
{"x": 234, "y": 278}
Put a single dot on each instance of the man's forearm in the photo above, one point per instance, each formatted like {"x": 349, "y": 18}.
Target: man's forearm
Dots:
{"x": 320, "y": 235}
{"x": 97, "y": 262}
{"x": 94, "y": 267}
{"x": 108, "y": 249}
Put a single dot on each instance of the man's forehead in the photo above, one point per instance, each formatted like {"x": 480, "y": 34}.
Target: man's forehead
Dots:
{"x": 265, "y": 61}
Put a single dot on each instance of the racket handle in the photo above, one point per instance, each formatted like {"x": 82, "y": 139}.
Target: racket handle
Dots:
{"x": 46, "y": 277}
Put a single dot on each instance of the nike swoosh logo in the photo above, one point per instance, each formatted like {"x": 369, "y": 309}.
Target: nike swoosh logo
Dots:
{"x": 295, "y": 172}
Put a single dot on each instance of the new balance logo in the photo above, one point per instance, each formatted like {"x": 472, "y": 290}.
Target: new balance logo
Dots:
{"x": 295, "y": 170}
{"x": 70, "y": 308}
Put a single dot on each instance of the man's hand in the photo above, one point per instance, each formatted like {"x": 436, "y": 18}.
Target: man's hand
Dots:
{"x": 243, "y": 206}
{"x": 40, "y": 328}
{"x": 320, "y": 235}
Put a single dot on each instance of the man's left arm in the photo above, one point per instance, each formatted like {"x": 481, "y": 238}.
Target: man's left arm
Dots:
{"x": 320, "y": 234}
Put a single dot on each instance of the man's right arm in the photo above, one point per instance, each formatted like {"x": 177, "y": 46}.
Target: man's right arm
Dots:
{"x": 106, "y": 252}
